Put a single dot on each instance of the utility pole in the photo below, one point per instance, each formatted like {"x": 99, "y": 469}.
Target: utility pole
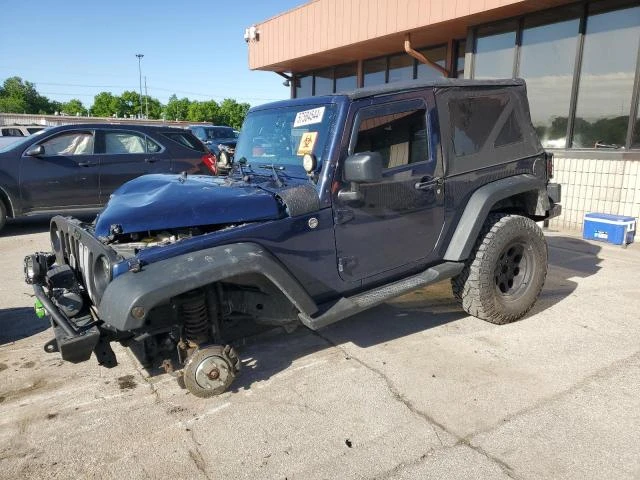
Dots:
{"x": 146, "y": 95}
{"x": 140, "y": 55}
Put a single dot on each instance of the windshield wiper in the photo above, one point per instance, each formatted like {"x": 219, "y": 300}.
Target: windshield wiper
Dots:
{"x": 274, "y": 169}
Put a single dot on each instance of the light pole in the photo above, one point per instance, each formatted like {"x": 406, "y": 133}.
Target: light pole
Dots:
{"x": 140, "y": 55}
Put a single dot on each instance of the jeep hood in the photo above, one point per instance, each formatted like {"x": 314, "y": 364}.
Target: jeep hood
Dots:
{"x": 159, "y": 202}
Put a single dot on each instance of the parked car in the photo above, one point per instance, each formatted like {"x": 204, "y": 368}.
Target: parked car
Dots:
{"x": 220, "y": 140}
{"x": 77, "y": 167}
{"x": 336, "y": 204}
{"x": 11, "y": 133}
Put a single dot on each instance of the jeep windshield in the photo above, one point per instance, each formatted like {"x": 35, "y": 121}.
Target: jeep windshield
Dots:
{"x": 282, "y": 136}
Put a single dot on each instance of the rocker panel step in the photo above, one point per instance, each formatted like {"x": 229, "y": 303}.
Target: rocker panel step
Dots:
{"x": 345, "y": 307}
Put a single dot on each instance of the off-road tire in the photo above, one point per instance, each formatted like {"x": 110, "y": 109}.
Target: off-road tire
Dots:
{"x": 3, "y": 215}
{"x": 506, "y": 270}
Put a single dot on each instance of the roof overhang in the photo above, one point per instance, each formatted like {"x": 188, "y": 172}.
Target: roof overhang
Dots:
{"x": 323, "y": 33}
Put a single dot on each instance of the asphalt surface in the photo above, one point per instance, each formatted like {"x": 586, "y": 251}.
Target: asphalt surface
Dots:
{"x": 413, "y": 389}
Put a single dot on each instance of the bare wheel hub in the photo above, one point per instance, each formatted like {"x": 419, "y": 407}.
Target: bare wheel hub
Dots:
{"x": 211, "y": 370}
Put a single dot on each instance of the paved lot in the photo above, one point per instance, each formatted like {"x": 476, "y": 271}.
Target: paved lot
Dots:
{"x": 412, "y": 389}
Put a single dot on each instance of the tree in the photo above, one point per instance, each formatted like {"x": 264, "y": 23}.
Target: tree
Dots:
{"x": 177, "y": 109}
{"x": 73, "y": 107}
{"x": 232, "y": 113}
{"x": 130, "y": 101}
{"x": 18, "y": 96}
{"x": 105, "y": 104}
{"x": 155, "y": 107}
{"x": 208, "y": 111}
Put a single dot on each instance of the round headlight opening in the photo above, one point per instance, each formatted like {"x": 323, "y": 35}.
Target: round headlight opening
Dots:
{"x": 101, "y": 274}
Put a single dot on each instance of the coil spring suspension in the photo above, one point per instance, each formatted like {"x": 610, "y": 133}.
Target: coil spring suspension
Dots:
{"x": 194, "y": 314}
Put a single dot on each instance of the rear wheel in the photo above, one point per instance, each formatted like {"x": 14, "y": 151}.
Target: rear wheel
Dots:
{"x": 505, "y": 273}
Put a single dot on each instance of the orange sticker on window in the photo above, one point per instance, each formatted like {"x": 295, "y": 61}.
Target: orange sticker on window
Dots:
{"x": 307, "y": 142}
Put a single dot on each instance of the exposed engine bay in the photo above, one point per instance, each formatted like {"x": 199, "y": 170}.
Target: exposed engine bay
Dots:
{"x": 129, "y": 244}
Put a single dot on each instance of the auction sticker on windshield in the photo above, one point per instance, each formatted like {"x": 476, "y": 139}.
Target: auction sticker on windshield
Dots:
{"x": 307, "y": 142}
{"x": 308, "y": 117}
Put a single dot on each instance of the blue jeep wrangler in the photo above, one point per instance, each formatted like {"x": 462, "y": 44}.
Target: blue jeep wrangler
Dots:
{"x": 334, "y": 204}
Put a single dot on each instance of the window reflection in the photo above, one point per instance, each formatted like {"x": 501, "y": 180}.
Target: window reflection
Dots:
{"x": 304, "y": 86}
{"x": 494, "y": 54}
{"x": 400, "y": 68}
{"x": 374, "y": 71}
{"x": 606, "y": 82}
{"x": 547, "y": 60}
{"x": 462, "y": 50}
{"x": 324, "y": 82}
{"x": 437, "y": 55}
{"x": 346, "y": 77}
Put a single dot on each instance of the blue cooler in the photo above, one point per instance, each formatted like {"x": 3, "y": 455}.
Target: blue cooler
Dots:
{"x": 614, "y": 229}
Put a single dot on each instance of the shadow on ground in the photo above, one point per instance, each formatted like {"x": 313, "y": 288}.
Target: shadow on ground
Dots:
{"x": 19, "y": 323}
{"x": 569, "y": 258}
{"x": 274, "y": 351}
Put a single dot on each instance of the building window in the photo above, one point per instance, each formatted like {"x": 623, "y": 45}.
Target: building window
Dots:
{"x": 635, "y": 140}
{"x": 375, "y": 71}
{"x": 494, "y": 52}
{"x": 460, "y": 63}
{"x": 304, "y": 87}
{"x": 547, "y": 60}
{"x": 606, "y": 80}
{"x": 437, "y": 55}
{"x": 400, "y": 68}
{"x": 323, "y": 82}
{"x": 346, "y": 77}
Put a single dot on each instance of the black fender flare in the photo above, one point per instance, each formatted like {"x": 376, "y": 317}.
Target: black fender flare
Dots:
{"x": 478, "y": 208}
{"x": 160, "y": 281}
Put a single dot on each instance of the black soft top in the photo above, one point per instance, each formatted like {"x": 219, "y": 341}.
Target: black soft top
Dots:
{"x": 398, "y": 87}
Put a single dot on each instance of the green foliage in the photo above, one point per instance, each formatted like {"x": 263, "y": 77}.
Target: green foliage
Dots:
{"x": 208, "y": 111}
{"x": 232, "y": 113}
{"x": 73, "y": 107}
{"x": 105, "y": 104}
{"x": 18, "y": 96}
{"x": 177, "y": 109}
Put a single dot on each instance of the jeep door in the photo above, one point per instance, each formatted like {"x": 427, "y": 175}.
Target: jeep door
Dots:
{"x": 125, "y": 155}
{"x": 64, "y": 175}
{"x": 396, "y": 224}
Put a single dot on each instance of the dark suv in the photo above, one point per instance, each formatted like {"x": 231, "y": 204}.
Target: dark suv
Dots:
{"x": 335, "y": 204}
{"x": 220, "y": 140}
{"x": 77, "y": 167}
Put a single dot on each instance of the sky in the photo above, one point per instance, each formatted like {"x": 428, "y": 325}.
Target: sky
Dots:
{"x": 195, "y": 49}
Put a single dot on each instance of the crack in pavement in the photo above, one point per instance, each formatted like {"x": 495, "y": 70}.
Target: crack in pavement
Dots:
{"x": 195, "y": 454}
{"x": 598, "y": 374}
{"x": 506, "y": 468}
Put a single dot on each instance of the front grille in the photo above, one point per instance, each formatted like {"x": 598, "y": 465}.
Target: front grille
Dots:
{"x": 78, "y": 248}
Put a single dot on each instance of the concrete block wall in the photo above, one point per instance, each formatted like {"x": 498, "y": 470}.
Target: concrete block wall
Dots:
{"x": 607, "y": 185}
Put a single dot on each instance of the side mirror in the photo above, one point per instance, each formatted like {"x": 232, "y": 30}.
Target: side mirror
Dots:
{"x": 365, "y": 167}
{"x": 36, "y": 151}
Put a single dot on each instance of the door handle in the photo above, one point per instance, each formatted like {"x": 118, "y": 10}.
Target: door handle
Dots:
{"x": 150, "y": 160}
{"x": 427, "y": 183}
{"x": 85, "y": 164}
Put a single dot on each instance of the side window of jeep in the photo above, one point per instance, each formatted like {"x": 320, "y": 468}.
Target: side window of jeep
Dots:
{"x": 401, "y": 138}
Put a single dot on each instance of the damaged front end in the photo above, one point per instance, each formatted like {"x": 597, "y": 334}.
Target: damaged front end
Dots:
{"x": 68, "y": 283}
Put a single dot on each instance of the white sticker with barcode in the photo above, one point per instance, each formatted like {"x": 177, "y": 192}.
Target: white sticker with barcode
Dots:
{"x": 308, "y": 117}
